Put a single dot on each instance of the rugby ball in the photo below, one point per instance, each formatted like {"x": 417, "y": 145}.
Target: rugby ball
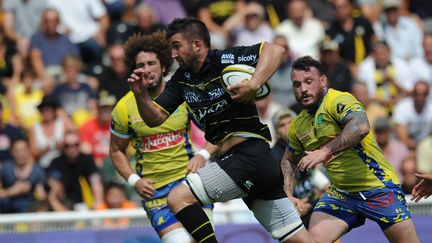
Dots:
{"x": 236, "y": 73}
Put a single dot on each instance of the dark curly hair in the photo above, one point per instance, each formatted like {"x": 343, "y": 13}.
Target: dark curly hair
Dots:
{"x": 155, "y": 42}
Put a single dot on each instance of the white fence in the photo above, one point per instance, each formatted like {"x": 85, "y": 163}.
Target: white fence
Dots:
{"x": 231, "y": 212}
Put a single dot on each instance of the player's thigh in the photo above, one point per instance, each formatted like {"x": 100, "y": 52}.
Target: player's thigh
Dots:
{"x": 180, "y": 197}
{"x": 280, "y": 218}
{"x": 403, "y": 231}
{"x": 324, "y": 227}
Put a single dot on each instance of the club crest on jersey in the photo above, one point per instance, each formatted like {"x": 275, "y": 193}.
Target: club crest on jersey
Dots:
{"x": 227, "y": 58}
{"x": 161, "y": 141}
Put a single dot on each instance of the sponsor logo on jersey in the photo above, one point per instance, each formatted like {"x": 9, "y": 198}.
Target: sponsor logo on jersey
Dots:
{"x": 161, "y": 141}
{"x": 227, "y": 58}
{"x": 249, "y": 58}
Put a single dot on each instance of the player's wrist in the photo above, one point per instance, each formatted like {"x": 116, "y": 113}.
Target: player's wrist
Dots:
{"x": 329, "y": 154}
{"x": 132, "y": 179}
{"x": 204, "y": 153}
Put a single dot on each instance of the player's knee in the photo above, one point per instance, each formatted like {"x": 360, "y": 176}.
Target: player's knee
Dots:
{"x": 179, "y": 235}
{"x": 285, "y": 233}
{"x": 196, "y": 186}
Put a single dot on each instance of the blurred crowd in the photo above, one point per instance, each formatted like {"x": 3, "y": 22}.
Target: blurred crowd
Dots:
{"x": 62, "y": 71}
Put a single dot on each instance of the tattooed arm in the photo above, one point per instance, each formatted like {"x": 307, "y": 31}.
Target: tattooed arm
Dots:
{"x": 289, "y": 171}
{"x": 356, "y": 128}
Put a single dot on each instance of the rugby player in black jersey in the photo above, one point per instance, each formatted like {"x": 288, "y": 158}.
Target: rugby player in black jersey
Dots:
{"x": 244, "y": 166}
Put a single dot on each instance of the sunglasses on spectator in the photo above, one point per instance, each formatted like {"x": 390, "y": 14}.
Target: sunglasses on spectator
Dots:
{"x": 71, "y": 145}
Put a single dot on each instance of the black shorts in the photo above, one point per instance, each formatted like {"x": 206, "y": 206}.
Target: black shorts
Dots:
{"x": 254, "y": 169}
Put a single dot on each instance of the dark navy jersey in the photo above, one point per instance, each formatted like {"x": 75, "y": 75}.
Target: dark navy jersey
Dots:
{"x": 211, "y": 106}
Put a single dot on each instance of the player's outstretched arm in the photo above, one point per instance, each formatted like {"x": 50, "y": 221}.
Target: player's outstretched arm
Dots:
{"x": 423, "y": 189}
{"x": 356, "y": 128}
{"x": 151, "y": 114}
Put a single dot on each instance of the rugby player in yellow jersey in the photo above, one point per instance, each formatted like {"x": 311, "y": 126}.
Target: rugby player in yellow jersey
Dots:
{"x": 164, "y": 154}
{"x": 333, "y": 129}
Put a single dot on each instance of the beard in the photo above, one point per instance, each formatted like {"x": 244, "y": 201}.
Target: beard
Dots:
{"x": 189, "y": 62}
{"x": 317, "y": 100}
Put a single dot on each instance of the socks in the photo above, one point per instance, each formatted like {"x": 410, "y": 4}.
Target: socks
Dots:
{"x": 196, "y": 222}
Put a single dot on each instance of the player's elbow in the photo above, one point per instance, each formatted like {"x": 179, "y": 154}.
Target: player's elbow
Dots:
{"x": 364, "y": 129}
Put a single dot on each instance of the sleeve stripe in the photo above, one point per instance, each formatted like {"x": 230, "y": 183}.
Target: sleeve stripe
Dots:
{"x": 120, "y": 135}
{"x": 261, "y": 47}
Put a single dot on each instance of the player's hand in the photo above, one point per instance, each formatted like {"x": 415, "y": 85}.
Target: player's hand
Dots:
{"x": 145, "y": 188}
{"x": 244, "y": 91}
{"x": 299, "y": 204}
{"x": 313, "y": 158}
{"x": 140, "y": 80}
{"x": 195, "y": 163}
{"x": 423, "y": 189}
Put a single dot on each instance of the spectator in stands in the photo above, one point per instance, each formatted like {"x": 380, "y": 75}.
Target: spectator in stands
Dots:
{"x": 302, "y": 32}
{"x": 147, "y": 21}
{"x": 11, "y": 63}
{"x": 21, "y": 21}
{"x": 353, "y": 34}
{"x": 24, "y": 97}
{"x": 413, "y": 116}
{"x": 281, "y": 120}
{"x": 281, "y": 80}
{"x": 21, "y": 179}
{"x": 424, "y": 155}
{"x": 95, "y": 134}
{"x": 250, "y": 27}
{"x": 74, "y": 175}
{"x": 8, "y": 134}
{"x": 394, "y": 150}
{"x": 75, "y": 96}
{"x": 112, "y": 78}
{"x": 402, "y": 34}
{"x": 86, "y": 22}
{"x": 46, "y": 136}
{"x": 48, "y": 48}
{"x": 214, "y": 14}
{"x": 388, "y": 79}
{"x": 408, "y": 171}
{"x": 338, "y": 72}
{"x": 115, "y": 198}
{"x": 423, "y": 65}
{"x": 372, "y": 108}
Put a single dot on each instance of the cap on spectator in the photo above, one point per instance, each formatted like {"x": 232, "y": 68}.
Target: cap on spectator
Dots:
{"x": 329, "y": 45}
{"x": 106, "y": 99}
{"x": 386, "y": 4}
{"x": 282, "y": 113}
{"x": 382, "y": 124}
{"x": 48, "y": 101}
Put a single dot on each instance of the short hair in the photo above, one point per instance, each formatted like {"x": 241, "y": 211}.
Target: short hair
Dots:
{"x": 155, "y": 42}
{"x": 305, "y": 63}
{"x": 191, "y": 28}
